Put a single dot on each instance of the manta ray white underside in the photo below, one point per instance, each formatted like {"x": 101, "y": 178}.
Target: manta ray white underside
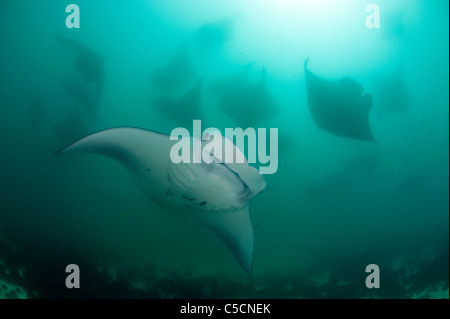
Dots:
{"x": 214, "y": 195}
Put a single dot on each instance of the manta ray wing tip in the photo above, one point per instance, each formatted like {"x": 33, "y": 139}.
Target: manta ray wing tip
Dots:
{"x": 62, "y": 150}
{"x": 306, "y": 62}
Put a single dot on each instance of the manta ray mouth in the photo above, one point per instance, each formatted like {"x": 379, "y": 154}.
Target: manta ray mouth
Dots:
{"x": 246, "y": 194}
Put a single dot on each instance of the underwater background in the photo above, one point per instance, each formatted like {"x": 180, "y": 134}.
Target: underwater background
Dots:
{"x": 334, "y": 206}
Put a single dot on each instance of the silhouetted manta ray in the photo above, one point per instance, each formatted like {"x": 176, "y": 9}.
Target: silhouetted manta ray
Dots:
{"x": 216, "y": 33}
{"x": 177, "y": 73}
{"x": 89, "y": 64}
{"x": 391, "y": 95}
{"x": 182, "y": 111}
{"x": 250, "y": 104}
{"x": 339, "y": 107}
{"x": 214, "y": 195}
{"x": 231, "y": 84}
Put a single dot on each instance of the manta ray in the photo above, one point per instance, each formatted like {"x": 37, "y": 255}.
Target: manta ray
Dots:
{"x": 250, "y": 104}
{"x": 177, "y": 73}
{"x": 215, "y": 34}
{"x": 215, "y": 196}
{"x": 89, "y": 63}
{"x": 231, "y": 84}
{"x": 339, "y": 107}
{"x": 184, "y": 110}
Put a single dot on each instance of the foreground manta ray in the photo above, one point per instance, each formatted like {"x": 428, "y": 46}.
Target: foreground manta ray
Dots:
{"x": 214, "y": 195}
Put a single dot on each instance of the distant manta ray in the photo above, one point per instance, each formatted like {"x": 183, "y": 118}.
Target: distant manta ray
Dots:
{"x": 215, "y": 34}
{"x": 176, "y": 73}
{"x": 182, "y": 111}
{"x": 339, "y": 107}
{"x": 215, "y": 195}
{"x": 89, "y": 63}
{"x": 250, "y": 104}
{"x": 231, "y": 84}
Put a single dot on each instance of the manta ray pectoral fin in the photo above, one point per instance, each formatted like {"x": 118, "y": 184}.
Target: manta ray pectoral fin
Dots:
{"x": 133, "y": 147}
{"x": 235, "y": 230}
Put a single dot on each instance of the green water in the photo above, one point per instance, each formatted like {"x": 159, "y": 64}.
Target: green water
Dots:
{"x": 334, "y": 206}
